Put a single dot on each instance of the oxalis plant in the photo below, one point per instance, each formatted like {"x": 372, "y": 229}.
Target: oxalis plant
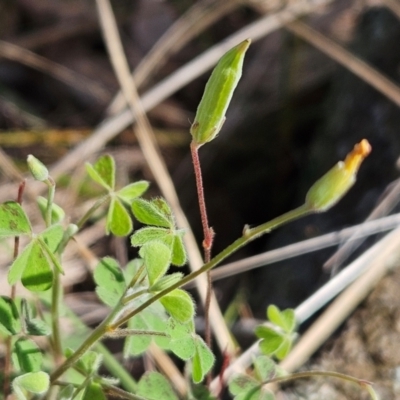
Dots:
{"x": 146, "y": 302}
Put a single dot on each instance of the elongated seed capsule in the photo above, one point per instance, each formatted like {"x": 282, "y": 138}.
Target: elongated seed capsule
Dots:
{"x": 217, "y": 95}
{"x": 329, "y": 189}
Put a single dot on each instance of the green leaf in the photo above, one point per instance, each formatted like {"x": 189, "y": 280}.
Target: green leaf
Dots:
{"x": 37, "y": 327}
{"x": 179, "y": 304}
{"x": 9, "y": 317}
{"x": 37, "y": 275}
{"x": 52, "y": 237}
{"x": 154, "y": 386}
{"x": 33, "y": 382}
{"x": 66, "y": 393}
{"x": 148, "y": 234}
{"x": 217, "y": 95}
{"x": 241, "y": 384}
{"x": 164, "y": 209}
{"x": 201, "y": 392}
{"x": 119, "y": 222}
{"x": 284, "y": 349}
{"x": 136, "y": 344}
{"x": 272, "y": 340}
{"x": 149, "y": 213}
{"x": 13, "y": 220}
{"x": 93, "y": 391}
{"x": 179, "y": 256}
{"x": 110, "y": 280}
{"x": 157, "y": 257}
{"x": 103, "y": 171}
{"x": 57, "y": 213}
{"x": 19, "y": 264}
{"x": 130, "y": 192}
{"x": 203, "y": 360}
{"x": 89, "y": 363}
{"x": 28, "y": 354}
{"x": 182, "y": 341}
{"x": 265, "y": 368}
{"x": 284, "y": 319}
{"x": 166, "y": 281}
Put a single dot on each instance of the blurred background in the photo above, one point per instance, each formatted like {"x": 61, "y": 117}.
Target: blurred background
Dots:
{"x": 295, "y": 113}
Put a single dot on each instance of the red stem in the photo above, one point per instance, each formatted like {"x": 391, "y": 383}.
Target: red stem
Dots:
{"x": 208, "y": 239}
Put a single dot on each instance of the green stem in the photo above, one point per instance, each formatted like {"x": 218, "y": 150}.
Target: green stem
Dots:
{"x": 248, "y": 236}
{"x": 50, "y": 199}
{"x": 107, "y": 326}
{"x": 92, "y": 210}
{"x": 133, "y": 296}
{"x": 115, "y": 368}
{"x": 119, "y": 333}
{"x": 95, "y": 336}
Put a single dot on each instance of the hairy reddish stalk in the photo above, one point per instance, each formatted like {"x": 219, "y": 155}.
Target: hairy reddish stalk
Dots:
{"x": 208, "y": 238}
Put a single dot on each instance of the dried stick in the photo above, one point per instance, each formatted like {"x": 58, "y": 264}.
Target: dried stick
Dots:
{"x": 150, "y": 150}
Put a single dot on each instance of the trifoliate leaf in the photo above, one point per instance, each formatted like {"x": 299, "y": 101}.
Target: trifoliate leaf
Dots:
{"x": 119, "y": 222}
{"x": 13, "y": 220}
{"x": 33, "y": 382}
{"x": 179, "y": 305}
{"x": 203, "y": 360}
{"x": 148, "y": 213}
{"x": 157, "y": 257}
{"x": 164, "y": 209}
{"x": 29, "y": 355}
{"x": 130, "y": 192}
{"x": 154, "y": 386}
{"x": 284, "y": 319}
{"x": 9, "y": 317}
{"x": 103, "y": 171}
{"x": 148, "y": 234}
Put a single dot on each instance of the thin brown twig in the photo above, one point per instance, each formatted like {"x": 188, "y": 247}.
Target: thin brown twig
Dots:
{"x": 155, "y": 161}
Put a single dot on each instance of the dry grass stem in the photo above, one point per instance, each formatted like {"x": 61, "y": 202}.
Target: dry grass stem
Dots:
{"x": 71, "y": 78}
{"x": 354, "y": 64}
{"x": 306, "y": 246}
{"x": 199, "y": 17}
{"x": 382, "y": 255}
{"x": 154, "y": 159}
{"x": 388, "y": 203}
{"x": 181, "y": 77}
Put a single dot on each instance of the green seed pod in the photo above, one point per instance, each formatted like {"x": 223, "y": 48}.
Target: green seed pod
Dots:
{"x": 37, "y": 169}
{"x": 329, "y": 189}
{"x": 217, "y": 95}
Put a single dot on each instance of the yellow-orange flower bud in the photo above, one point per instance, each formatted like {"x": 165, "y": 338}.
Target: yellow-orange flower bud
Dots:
{"x": 329, "y": 189}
